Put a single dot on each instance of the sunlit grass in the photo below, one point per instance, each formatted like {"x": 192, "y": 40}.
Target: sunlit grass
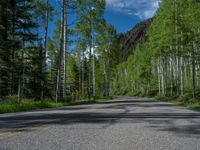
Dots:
{"x": 186, "y": 101}
{"x": 26, "y": 105}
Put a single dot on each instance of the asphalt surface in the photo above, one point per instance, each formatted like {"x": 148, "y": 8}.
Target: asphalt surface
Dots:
{"x": 125, "y": 123}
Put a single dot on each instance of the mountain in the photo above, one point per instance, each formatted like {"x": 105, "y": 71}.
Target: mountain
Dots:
{"x": 130, "y": 39}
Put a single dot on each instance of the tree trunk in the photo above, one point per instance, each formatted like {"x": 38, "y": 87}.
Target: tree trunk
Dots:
{"x": 162, "y": 77}
{"x": 19, "y": 90}
{"x": 159, "y": 83}
{"x": 65, "y": 51}
{"x": 182, "y": 77}
{"x": 90, "y": 65}
{"x": 93, "y": 68}
{"x": 104, "y": 80}
{"x": 108, "y": 79}
{"x": 45, "y": 49}
{"x": 177, "y": 49}
{"x": 60, "y": 56}
{"x": 83, "y": 76}
{"x": 171, "y": 74}
{"x": 193, "y": 71}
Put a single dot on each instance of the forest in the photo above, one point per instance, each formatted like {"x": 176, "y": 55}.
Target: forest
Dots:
{"x": 72, "y": 64}
{"x": 86, "y": 59}
{"x": 166, "y": 62}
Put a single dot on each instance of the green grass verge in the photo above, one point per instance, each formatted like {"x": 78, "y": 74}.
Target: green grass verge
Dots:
{"x": 32, "y": 105}
{"x": 185, "y": 101}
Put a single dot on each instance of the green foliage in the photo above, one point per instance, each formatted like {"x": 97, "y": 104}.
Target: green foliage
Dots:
{"x": 29, "y": 104}
{"x": 167, "y": 62}
{"x": 17, "y": 36}
{"x": 26, "y": 72}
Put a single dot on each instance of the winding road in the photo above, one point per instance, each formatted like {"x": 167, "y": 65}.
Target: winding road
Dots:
{"x": 125, "y": 123}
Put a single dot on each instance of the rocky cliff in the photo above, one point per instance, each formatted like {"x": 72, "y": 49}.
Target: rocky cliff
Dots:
{"x": 130, "y": 39}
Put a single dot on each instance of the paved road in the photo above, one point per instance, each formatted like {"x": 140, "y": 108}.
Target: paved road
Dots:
{"x": 122, "y": 124}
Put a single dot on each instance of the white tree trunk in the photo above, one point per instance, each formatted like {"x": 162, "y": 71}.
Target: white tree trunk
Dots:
{"x": 45, "y": 48}
{"x": 65, "y": 51}
{"x": 60, "y": 56}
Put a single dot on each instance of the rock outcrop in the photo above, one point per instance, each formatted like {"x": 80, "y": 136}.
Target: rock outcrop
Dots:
{"x": 130, "y": 39}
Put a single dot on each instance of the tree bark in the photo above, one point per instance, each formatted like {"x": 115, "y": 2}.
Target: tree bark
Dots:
{"x": 65, "y": 51}
{"x": 60, "y": 56}
{"x": 193, "y": 71}
{"x": 45, "y": 48}
{"x": 83, "y": 75}
{"x": 93, "y": 76}
{"x": 159, "y": 79}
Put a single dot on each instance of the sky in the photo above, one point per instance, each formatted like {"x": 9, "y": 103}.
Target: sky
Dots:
{"x": 125, "y": 14}
{"x": 122, "y": 14}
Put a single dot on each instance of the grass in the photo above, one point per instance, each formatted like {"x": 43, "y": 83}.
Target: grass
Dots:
{"x": 186, "y": 101}
{"x": 26, "y": 105}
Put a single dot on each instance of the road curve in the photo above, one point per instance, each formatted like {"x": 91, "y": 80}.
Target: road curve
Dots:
{"x": 125, "y": 123}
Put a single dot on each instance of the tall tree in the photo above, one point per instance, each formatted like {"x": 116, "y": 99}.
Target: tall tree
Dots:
{"x": 61, "y": 72}
{"x": 91, "y": 15}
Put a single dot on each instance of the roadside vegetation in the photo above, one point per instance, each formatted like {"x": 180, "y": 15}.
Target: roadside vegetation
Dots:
{"x": 72, "y": 62}
{"x": 86, "y": 59}
{"x": 28, "y": 104}
{"x": 186, "y": 101}
{"x": 166, "y": 64}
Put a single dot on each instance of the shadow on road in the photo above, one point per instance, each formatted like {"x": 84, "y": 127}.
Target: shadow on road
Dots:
{"x": 157, "y": 120}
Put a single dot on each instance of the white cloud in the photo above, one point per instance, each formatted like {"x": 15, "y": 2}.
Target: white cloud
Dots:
{"x": 141, "y": 8}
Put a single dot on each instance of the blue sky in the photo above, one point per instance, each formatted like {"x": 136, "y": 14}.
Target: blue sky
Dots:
{"x": 122, "y": 14}
{"x": 121, "y": 21}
